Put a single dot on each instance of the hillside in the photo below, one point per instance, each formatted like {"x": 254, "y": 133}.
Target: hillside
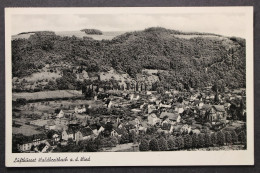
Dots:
{"x": 194, "y": 59}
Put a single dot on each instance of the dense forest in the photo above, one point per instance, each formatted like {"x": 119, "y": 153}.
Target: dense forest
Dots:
{"x": 196, "y": 62}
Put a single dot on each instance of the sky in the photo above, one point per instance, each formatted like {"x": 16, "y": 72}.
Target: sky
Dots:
{"x": 225, "y": 24}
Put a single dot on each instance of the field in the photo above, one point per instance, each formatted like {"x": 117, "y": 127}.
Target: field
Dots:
{"x": 24, "y": 129}
{"x": 40, "y": 108}
{"x": 58, "y": 94}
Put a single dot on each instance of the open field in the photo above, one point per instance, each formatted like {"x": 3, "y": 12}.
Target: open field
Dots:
{"x": 25, "y": 130}
{"x": 58, "y": 94}
{"x": 39, "y": 107}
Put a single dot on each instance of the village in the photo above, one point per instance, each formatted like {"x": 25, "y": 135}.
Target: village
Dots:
{"x": 133, "y": 120}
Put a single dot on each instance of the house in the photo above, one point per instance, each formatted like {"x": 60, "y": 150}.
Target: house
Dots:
{"x": 96, "y": 129}
{"x": 61, "y": 121}
{"x": 134, "y": 97}
{"x": 217, "y": 114}
{"x": 43, "y": 147}
{"x": 179, "y": 108}
{"x": 151, "y": 108}
{"x": 108, "y": 103}
{"x": 164, "y": 106}
{"x": 50, "y": 125}
{"x": 170, "y": 117}
{"x": 118, "y": 132}
{"x": 31, "y": 141}
{"x": 153, "y": 119}
{"x": 60, "y": 114}
{"x": 56, "y": 137}
{"x": 143, "y": 126}
{"x": 67, "y": 134}
{"x": 148, "y": 92}
{"x": 82, "y": 76}
{"x": 185, "y": 129}
{"x": 204, "y": 109}
{"x": 80, "y": 110}
{"x": 198, "y": 103}
{"x": 83, "y": 134}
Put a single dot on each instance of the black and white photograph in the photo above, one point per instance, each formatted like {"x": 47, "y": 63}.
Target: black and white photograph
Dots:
{"x": 139, "y": 82}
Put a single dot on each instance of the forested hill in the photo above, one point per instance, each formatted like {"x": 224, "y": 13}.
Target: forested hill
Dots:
{"x": 197, "y": 59}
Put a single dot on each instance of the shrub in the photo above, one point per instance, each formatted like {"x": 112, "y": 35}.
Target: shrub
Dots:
{"x": 195, "y": 140}
{"x": 144, "y": 145}
{"x": 228, "y": 137}
{"x": 187, "y": 141}
{"x": 162, "y": 144}
{"x": 220, "y": 138}
{"x": 201, "y": 140}
{"x": 153, "y": 145}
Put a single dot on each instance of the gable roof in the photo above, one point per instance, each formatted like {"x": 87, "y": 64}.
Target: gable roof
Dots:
{"x": 171, "y": 116}
{"x": 206, "y": 107}
{"x": 153, "y": 115}
{"x": 219, "y": 108}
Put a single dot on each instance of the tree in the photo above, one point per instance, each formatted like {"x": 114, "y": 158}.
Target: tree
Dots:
{"x": 207, "y": 140}
{"x": 195, "y": 140}
{"x": 187, "y": 141}
{"x": 50, "y": 134}
{"x": 124, "y": 138}
{"x": 144, "y": 145}
{"x": 234, "y": 137}
{"x": 162, "y": 144}
{"x": 180, "y": 100}
{"x": 201, "y": 140}
{"x": 91, "y": 146}
{"x": 132, "y": 137}
{"x": 220, "y": 138}
{"x": 114, "y": 140}
{"x": 171, "y": 144}
{"x": 180, "y": 142}
{"x": 153, "y": 145}
{"x": 213, "y": 138}
{"x": 21, "y": 101}
{"x": 242, "y": 137}
{"x": 228, "y": 137}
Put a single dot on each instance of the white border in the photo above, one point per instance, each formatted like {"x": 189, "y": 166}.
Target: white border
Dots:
{"x": 174, "y": 158}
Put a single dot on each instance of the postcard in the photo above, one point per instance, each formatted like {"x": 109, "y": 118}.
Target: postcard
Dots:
{"x": 124, "y": 86}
